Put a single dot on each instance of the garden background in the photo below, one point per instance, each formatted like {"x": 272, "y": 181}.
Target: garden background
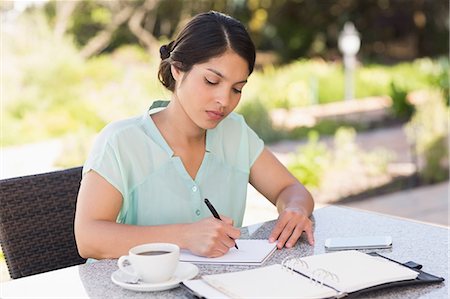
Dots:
{"x": 70, "y": 67}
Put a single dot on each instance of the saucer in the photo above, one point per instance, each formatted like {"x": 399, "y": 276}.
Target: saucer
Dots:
{"x": 184, "y": 271}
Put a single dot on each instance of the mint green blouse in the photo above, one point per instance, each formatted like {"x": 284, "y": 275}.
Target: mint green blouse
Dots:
{"x": 133, "y": 156}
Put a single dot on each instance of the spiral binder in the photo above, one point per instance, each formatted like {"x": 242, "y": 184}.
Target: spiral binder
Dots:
{"x": 328, "y": 275}
{"x": 317, "y": 276}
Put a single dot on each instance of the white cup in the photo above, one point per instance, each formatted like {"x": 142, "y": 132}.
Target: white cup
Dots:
{"x": 153, "y": 262}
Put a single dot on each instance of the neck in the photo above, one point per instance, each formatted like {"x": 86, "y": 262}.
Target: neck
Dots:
{"x": 175, "y": 124}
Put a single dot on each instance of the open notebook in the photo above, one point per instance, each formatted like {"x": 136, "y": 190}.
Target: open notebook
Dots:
{"x": 250, "y": 252}
{"x": 319, "y": 276}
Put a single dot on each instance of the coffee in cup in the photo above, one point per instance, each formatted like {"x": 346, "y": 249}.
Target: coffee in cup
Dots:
{"x": 152, "y": 262}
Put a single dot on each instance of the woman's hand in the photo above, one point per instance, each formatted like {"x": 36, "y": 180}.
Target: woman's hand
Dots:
{"x": 292, "y": 222}
{"x": 294, "y": 203}
{"x": 211, "y": 237}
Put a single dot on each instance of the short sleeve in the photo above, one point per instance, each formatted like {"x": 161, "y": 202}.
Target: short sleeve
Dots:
{"x": 104, "y": 159}
{"x": 255, "y": 144}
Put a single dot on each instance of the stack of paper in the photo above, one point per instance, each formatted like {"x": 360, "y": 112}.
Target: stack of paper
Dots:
{"x": 250, "y": 252}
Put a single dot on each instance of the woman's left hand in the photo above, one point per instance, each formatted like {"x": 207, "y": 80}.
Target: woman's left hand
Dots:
{"x": 292, "y": 222}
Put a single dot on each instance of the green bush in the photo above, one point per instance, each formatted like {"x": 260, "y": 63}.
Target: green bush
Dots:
{"x": 436, "y": 161}
{"x": 348, "y": 156}
{"x": 257, "y": 117}
{"x": 400, "y": 108}
{"x": 321, "y": 168}
{"x": 50, "y": 91}
{"x": 44, "y": 99}
{"x": 324, "y": 127}
{"x": 310, "y": 161}
{"x": 306, "y": 82}
{"x": 442, "y": 79}
{"x": 428, "y": 131}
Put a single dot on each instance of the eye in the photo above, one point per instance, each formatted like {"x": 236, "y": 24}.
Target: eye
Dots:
{"x": 210, "y": 82}
{"x": 235, "y": 90}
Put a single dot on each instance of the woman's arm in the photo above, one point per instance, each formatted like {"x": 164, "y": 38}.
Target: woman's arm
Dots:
{"x": 293, "y": 201}
{"x": 99, "y": 236}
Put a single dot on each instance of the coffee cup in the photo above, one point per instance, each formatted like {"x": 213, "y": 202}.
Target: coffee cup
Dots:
{"x": 152, "y": 262}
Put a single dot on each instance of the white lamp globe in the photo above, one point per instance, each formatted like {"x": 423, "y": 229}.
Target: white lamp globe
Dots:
{"x": 349, "y": 41}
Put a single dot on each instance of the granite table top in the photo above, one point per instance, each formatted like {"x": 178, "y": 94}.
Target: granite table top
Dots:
{"x": 423, "y": 243}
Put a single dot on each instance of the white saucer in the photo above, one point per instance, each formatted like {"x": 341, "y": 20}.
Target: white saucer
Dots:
{"x": 184, "y": 271}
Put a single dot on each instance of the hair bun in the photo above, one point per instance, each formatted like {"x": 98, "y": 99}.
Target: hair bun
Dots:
{"x": 164, "y": 52}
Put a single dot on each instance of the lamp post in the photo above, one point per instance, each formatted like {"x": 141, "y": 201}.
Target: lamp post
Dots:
{"x": 349, "y": 44}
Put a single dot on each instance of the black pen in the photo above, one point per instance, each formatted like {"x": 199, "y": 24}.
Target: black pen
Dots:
{"x": 215, "y": 214}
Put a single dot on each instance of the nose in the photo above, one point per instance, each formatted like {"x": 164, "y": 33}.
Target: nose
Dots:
{"x": 224, "y": 98}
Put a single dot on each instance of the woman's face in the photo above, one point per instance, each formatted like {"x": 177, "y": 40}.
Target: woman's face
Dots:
{"x": 211, "y": 90}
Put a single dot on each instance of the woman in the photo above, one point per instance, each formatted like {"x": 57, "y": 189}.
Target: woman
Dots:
{"x": 147, "y": 177}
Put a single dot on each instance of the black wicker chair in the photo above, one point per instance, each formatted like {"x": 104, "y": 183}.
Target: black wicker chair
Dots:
{"x": 36, "y": 222}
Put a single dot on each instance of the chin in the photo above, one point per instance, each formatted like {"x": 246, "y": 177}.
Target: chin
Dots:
{"x": 208, "y": 125}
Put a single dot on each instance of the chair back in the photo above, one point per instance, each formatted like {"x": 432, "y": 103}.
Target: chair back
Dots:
{"x": 37, "y": 222}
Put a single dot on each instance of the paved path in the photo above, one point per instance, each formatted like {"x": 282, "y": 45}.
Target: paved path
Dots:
{"x": 392, "y": 138}
{"x": 426, "y": 204}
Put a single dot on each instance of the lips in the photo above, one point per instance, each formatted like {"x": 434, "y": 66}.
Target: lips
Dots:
{"x": 215, "y": 115}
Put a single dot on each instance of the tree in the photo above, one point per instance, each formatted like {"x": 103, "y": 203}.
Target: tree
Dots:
{"x": 121, "y": 12}
{"x": 146, "y": 10}
{"x": 391, "y": 30}
{"x": 64, "y": 10}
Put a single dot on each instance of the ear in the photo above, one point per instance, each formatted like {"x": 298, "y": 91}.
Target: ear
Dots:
{"x": 176, "y": 73}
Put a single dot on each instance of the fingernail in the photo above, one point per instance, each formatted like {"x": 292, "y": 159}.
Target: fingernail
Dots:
{"x": 271, "y": 240}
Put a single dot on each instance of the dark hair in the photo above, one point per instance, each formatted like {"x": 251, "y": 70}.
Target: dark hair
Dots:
{"x": 206, "y": 36}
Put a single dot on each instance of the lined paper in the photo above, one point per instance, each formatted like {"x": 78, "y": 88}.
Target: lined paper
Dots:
{"x": 250, "y": 252}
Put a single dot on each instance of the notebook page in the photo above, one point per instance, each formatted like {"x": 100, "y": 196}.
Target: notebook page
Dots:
{"x": 202, "y": 289}
{"x": 267, "y": 282}
{"x": 250, "y": 252}
{"x": 357, "y": 270}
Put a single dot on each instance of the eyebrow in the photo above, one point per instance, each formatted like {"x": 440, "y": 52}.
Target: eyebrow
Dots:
{"x": 222, "y": 76}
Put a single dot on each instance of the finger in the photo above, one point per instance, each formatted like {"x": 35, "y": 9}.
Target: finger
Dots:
{"x": 309, "y": 235}
{"x": 234, "y": 233}
{"x": 285, "y": 234}
{"x": 217, "y": 247}
{"x": 276, "y": 231}
{"x": 228, "y": 242}
{"x": 227, "y": 220}
{"x": 294, "y": 236}
{"x": 219, "y": 250}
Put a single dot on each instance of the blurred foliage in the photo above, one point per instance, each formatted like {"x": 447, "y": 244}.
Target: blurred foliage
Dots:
{"x": 442, "y": 78}
{"x": 258, "y": 118}
{"x": 401, "y": 108}
{"x": 310, "y": 161}
{"x": 52, "y": 91}
{"x": 317, "y": 165}
{"x": 306, "y": 82}
{"x": 43, "y": 91}
{"x": 391, "y": 31}
{"x": 76, "y": 146}
{"x": 327, "y": 127}
{"x": 428, "y": 131}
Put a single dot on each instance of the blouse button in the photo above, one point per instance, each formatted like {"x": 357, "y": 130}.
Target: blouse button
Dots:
{"x": 197, "y": 212}
{"x": 194, "y": 189}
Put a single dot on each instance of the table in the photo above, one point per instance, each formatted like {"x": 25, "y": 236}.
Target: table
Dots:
{"x": 423, "y": 243}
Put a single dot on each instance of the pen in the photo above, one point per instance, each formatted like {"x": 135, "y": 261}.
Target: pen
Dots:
{"x": 215, "y": 214}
